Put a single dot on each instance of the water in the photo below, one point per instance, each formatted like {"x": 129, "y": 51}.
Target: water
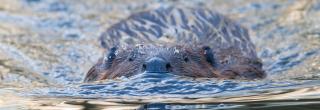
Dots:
{"x": 46, "y": 47}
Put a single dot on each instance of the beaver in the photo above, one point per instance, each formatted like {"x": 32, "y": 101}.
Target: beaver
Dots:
{"x": 192, "y": 42}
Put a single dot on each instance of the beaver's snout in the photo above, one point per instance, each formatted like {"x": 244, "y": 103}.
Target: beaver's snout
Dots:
{"x": 156, "y": 65}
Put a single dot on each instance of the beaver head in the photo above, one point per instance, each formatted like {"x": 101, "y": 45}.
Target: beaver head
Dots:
{"x": 183, "y": 60}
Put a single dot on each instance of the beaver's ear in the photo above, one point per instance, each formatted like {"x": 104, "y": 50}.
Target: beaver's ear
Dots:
{"x": 95, "y": 72}
{"x": 92, "y": 74}
{"x": 209, "y": 55}
{"x": 243, "y": 71}
{"x": 109, "y": 57}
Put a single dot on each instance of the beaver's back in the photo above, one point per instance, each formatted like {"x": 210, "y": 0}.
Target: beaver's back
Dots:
{"x": 195, "y": 26}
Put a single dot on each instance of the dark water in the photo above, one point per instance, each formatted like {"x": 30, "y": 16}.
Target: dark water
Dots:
{"x": 46, "y": 47}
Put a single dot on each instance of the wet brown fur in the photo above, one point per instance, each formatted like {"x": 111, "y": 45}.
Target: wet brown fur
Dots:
{"x": 235, "y": 66}
{"x": 191, "y": 31}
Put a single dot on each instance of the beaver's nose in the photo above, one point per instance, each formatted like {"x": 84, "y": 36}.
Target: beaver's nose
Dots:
{"x": 156, "y": 65}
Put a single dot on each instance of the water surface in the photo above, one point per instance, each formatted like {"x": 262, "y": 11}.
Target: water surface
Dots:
{"x": 47, "y": 46}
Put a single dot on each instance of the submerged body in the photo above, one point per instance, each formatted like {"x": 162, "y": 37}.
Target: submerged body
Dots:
{"x": 190, "y": 42}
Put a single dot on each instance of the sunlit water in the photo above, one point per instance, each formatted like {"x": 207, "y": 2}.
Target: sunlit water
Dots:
{"x": 46, "y": 47}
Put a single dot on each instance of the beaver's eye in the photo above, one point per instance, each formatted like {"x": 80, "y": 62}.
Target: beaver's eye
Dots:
{"x": 186, "y": 59}
{"x": 110, "y": 57}
{"x": 209, "y": 55}
{"x": 130, "y": 59}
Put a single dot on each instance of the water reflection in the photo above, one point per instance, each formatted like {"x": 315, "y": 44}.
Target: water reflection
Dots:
{"x": 290, "y": 98}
